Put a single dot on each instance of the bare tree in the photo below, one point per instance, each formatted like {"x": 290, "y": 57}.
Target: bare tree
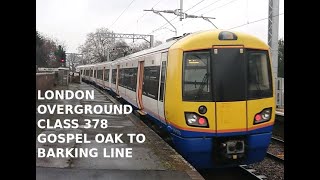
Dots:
{"x": 99, "y": 45}
{"x": 95, "y": 49}
{"x": 74, "y": 60}
{"x": 120, "y": 49}
{"x": 142, "y": 46}
{"x": 50, "y": 47}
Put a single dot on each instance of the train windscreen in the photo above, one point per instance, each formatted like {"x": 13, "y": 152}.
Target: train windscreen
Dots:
{"x": 226, "y": 74}
{"x": 196, "y": 76}
{"x": 229, "y": 74}
{"x": 258, "y": 74}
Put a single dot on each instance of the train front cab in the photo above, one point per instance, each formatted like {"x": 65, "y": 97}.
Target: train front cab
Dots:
{"x": 224, "y": 111}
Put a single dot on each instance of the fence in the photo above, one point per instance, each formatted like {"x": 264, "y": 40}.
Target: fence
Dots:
{"x": 61, "y": 74}
{"x": 45, "y": 81}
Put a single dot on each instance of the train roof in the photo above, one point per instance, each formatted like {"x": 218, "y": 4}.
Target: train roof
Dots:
{"x": 208, "y": 38}
{"x": 160, "y": 47}
{"x": 195, "y": 41}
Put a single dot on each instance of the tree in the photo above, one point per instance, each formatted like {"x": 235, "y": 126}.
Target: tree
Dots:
{"x": 74, "y": 60}
{"x": 49, "y": 48}
{"x": 95, "y": 48}
{"x": 40, "y": 54}
{"x": 142, "y": 46}
{"x": 98, "y": 44}
{"x": 46, "y": 49}
{"x": 281, "y": 58}
{"x": 119, "y": 49}
{"x": 157, "y": 43}
{"x": 60, "y": 55}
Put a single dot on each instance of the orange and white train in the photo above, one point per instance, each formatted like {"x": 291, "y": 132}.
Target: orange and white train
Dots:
{"x": 211, "y": 90}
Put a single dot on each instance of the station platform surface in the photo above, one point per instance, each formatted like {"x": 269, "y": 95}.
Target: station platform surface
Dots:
{"x": 153, "y": 159}
{"x": 280, "y": 111}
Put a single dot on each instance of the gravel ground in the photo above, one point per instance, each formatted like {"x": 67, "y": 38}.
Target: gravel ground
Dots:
{"x": 278, "y": 129}
{"x": 271, "y": 169}
{"x": 276, "y": 149}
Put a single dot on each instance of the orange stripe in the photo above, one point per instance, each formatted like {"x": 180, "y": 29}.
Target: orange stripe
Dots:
{"x": 224, "y": 130}
{"x": 228, "y": 46}
{"x": 194, "y": 49}
{"x": 140, "y": 84}
{"x": 261, "y": 125}
{"x": 192, "y": 129}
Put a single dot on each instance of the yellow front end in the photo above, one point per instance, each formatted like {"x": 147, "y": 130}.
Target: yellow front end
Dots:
{"x": 220, "y": 109}
{"x": 174, "y": 106}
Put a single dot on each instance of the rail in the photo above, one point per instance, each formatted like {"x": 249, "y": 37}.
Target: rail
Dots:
{"x": 273, "y": 156}
{"x": 252, "y": 172}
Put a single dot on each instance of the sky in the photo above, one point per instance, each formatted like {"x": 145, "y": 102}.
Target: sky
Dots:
{"x": 69, "y": 21}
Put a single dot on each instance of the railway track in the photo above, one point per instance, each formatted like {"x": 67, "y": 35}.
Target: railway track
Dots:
{"x": 242, "y": 172}
{"x": 274, "y": 157}
{"x": 252, "y": 172}
{"x": 277, "y": 139}
{"x": 276, "y": 150}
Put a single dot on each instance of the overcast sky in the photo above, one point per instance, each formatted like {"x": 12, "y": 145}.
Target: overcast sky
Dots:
{"x": 70, "y": 20}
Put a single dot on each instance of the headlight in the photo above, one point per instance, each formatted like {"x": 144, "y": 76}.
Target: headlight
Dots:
{"x": 196, "y": 120}
{"x": 263, "y": 116}
{"x": 202, "y": 109}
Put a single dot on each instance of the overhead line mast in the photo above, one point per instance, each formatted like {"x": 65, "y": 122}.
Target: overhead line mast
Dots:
{"x": 273, "y": 29}
{"x": 181, "y": 14}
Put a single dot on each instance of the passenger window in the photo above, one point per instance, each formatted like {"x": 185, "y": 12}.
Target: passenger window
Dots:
{"x": 151, "y": 81}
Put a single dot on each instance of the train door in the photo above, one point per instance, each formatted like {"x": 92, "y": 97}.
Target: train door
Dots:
{"x": 117, "y": 80}
{"x": 229, "y": 88}
{"x": 109, "y": 76}
{"x": 140, "y": 84}
{"x": 162, "y": 79}
{"x": 95, "y": 74}
{"x": 80, "y": 75}
{"x": 113, "y": 71}
{"x": 91, "y": 74}
{"x": 103, "y": 77}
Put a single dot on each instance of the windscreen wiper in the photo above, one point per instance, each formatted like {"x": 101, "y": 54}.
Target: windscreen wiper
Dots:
{"x": 200, "y": 90}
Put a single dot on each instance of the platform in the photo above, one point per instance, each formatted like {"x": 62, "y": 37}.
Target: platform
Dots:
{"x": 153, "y": 159}
{"x": 280, "y": 111}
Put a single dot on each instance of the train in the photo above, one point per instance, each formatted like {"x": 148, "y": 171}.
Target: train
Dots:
{"x": 212, "y": 92}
